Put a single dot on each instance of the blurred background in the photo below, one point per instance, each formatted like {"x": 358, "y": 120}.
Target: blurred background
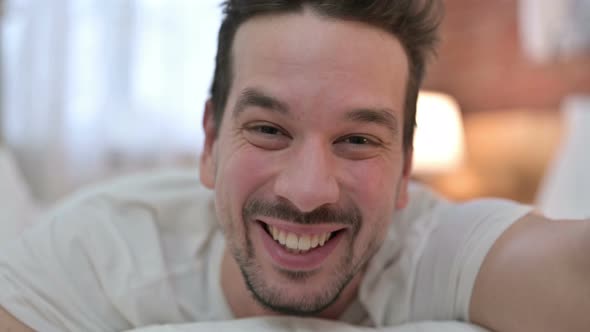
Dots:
{"x": 518, "y": 70}
{"x": 92, "y": 89}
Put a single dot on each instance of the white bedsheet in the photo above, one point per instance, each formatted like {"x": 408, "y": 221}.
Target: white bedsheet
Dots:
{"x": 295, "y": 324}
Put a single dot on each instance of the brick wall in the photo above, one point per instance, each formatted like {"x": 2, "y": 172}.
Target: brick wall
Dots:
{"x": 482, "y": 64}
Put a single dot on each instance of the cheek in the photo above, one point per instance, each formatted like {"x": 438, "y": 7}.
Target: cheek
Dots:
{"x": 240, "y": 174}
{"x": 375, "y": 186}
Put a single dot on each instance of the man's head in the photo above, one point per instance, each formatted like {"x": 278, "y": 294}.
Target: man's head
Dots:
{"x": 308, "y": 139}
{"x": 413, "y": 22}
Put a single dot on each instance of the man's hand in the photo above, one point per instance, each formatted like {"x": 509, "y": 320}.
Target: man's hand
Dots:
{"x": 9, "y": 323}
{"x": 536, "y": 278}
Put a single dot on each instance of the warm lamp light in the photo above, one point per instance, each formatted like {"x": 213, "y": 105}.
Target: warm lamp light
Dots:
{"x": 439, "y": 138}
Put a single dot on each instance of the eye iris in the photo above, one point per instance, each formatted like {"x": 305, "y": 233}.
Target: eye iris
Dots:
{"x": 268, "y": 130}
{"x": 358, "y": 140}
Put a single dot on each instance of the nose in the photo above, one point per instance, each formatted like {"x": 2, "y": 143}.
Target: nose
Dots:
{"x": 309, "y": 179}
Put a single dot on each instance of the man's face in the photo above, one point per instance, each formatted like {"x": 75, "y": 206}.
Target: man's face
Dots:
{"x": 308, "y": 165}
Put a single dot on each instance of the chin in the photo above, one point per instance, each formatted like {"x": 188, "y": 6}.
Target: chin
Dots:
{"x": 296, "y": 293}
{"x": 295, "y": 302}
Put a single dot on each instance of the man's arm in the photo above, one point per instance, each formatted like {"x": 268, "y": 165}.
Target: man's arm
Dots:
{"x": 536, "y": 278}
{"x": 9, "y": 323}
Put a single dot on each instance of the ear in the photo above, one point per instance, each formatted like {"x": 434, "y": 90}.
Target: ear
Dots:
{"x": 207, "y": 167}
{"x": 403, "y": 196}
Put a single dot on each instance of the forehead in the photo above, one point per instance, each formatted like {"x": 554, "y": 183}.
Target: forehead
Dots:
{"x": 312, "y": 62}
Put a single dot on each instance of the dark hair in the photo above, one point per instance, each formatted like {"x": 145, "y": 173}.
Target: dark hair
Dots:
{"x": 413, "y": 22}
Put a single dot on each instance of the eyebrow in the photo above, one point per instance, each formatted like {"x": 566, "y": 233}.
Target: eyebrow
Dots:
{"x": 383, "y": 117}
{"x": 254, "y": 97}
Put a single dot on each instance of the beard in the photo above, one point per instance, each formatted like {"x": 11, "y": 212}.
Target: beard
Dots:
{"x": 270, "y": 293}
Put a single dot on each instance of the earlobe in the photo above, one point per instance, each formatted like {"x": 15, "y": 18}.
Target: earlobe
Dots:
{"x": 403, "y": 197}
{"x": 208, "y": 157}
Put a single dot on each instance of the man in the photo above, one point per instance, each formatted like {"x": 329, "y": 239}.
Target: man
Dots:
{"x": 308, "y": 150}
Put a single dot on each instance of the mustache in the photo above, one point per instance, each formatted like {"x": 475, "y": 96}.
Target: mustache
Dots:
{"x": 350, "y": 216}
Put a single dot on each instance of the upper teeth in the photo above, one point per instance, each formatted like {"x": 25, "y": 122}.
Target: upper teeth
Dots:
{"x": 298, "y": 242}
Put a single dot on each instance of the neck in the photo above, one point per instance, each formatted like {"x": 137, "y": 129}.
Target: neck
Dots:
{"x": 243, "y": 304}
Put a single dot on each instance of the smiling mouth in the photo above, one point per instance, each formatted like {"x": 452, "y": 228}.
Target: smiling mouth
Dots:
{"x": 298, "y": 243}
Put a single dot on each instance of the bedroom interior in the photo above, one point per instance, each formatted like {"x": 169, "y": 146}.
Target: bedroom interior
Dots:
{"x": 512, "y": 66}
{"x": 522, "y": 91}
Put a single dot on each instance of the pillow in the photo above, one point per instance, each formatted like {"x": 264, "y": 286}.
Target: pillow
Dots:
{"x": 16, "y": 206}
{"x": 298, "y": 324}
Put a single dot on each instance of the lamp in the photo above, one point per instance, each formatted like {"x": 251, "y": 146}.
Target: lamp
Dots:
{"x": 439, "y": 138}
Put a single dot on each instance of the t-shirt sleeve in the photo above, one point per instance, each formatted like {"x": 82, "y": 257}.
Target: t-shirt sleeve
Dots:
{"x": 453, "y": 253}
{"x": 50, "y": 277}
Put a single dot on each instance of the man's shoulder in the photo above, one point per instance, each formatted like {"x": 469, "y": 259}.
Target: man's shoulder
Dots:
{"x": 427, "y": 205}
{"x": 153, "y": 186}
{"x": 423, "y": 206}
{"x": 171, "y": 200}
{"x": 433, "y": 243}
{"x": 106, "y": 249}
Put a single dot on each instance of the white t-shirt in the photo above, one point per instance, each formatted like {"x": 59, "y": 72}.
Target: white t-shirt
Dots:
{"x": 147, "y": 250}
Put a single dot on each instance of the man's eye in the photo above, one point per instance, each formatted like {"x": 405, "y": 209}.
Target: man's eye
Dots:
{"x": 267, "y": 130}
{"x": 358, "y": 147}
{"x": 358, "y": 140}
{"x": 266, "y": 136}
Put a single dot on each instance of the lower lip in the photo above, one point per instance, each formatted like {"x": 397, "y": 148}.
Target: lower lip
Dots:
{"x": 308, "y": 261}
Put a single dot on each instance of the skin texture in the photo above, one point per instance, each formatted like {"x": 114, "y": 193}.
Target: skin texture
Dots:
{"x": 10, "y": 324}
{"x": 322, "y": 134}
{"x": 536, "y": 278}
